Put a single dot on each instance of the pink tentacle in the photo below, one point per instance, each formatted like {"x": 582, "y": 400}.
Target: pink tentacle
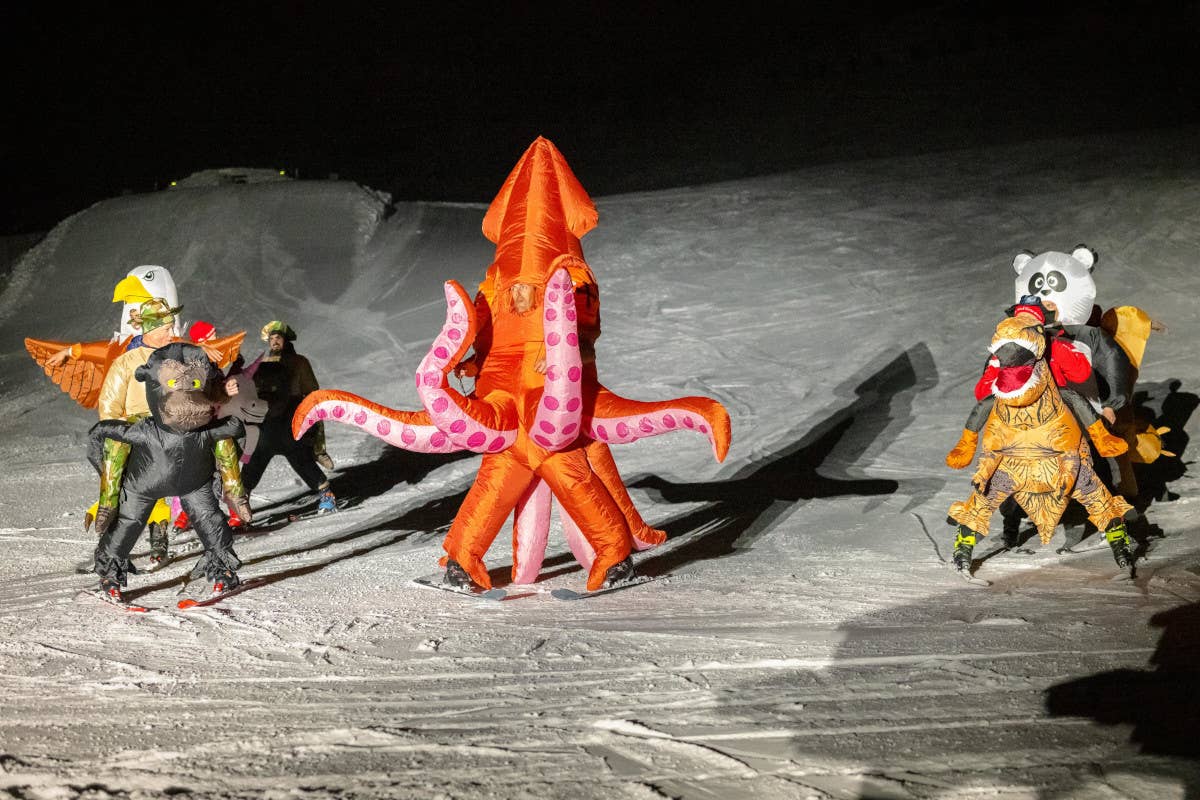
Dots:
{"x": 397, "y": 428}
{"x": 556, "y": 423}
{"x": 578, "y": 544}
{"x": 618, "y": 420}
{"x": 580, "y": 548}
{"x": 640, "y": 545}
{"x": 623, "y": 430}
{"x": 448, "y": 408}
{"x": 531, "y": 532}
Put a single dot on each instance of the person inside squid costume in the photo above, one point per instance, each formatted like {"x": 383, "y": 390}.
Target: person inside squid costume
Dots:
{"x": 537, "y": 413}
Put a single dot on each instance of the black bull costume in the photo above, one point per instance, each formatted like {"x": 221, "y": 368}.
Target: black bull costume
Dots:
{"x": 175, "y": 452}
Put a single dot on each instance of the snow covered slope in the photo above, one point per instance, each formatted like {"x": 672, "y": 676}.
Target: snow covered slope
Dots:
{"x": 811, "y": 641}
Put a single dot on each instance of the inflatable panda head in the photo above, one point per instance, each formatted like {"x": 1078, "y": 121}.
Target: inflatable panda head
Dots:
{"x": 1063, "y": 282}
{"x": 180, "y": 386}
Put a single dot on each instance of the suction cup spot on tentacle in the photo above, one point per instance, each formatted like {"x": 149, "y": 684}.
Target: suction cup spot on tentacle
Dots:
{"x": 651, "y": 419}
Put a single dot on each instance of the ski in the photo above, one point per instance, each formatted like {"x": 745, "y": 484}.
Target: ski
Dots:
{"x": 1070, "y": 550}
{"x": 971, "y": 579}
{"x": 278, "y": 519}
{"x": 96, "y": 594}
{"x": 435, "y": 582}
{"x": 571, "y": 594}
{"x": 189, "y": 602}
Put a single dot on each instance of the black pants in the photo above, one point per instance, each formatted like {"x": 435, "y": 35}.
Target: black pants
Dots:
{"x": 275, "y": 439}
{"x": 112, "y": 551}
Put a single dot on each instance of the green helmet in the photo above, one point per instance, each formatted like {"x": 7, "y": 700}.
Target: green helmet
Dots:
{"x": 154, "y": 313}
{"x": 280, "y": 327}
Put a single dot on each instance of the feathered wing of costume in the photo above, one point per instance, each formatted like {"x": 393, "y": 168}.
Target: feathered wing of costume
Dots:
{"x": 537, "y": 413}
{"x": 82, "y": 375}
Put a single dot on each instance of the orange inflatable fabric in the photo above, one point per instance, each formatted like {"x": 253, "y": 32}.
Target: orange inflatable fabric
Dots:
{"x": 82, "y": 375}
{"x": 538, "y": 412}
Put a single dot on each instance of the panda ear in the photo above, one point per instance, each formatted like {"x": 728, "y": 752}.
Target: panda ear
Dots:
{"x": 142, "y": 373}
{"x": 1086, "y": 256}
{"x": 1023, "y": 258}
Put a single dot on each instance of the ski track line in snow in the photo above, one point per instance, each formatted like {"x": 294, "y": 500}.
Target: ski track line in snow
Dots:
{"x": 939, "y": 724}
{"x": 592, "y": 675}
{"x": 66, "y": 584}
{"x": 724, "y": 762}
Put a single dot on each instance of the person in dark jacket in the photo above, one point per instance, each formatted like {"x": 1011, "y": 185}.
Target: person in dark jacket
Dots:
{"x": 283, "y": 378}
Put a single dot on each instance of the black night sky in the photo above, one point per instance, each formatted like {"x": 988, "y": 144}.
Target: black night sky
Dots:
{"x": 436, "y": 104}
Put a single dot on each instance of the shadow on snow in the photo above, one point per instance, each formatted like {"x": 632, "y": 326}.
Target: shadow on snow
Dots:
{"x": 743, "y": 507}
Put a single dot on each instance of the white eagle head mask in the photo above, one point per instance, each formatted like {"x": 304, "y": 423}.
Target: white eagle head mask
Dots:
{"x": 141, "y": 284}
{"x": 1063, "y": 282}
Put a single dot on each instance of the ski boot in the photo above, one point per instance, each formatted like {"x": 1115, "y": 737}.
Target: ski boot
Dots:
{"x": 964, "y": 549}
{"x": 110, "y": 590}
{"x": 1011, "y": 534}
{"x": 159, "y": 543}
{"x": 239, "y": 510}
{"x": 1122, "y": 546}
{"x": 327, "y": 503}
{"x": 225, "y": 582}
{"x": 182, "y": 523}
{"x": 456, "y": 576}
{"x": 618, "y": 573}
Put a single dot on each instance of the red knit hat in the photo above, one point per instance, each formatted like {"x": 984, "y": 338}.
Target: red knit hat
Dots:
{"x": 201, "y": 331}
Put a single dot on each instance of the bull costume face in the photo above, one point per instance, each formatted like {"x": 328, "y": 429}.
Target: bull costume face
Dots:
{"x": 182, "y": 387}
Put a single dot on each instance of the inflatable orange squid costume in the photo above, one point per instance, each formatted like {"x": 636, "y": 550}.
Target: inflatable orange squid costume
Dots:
{"x": 538, "y": 413}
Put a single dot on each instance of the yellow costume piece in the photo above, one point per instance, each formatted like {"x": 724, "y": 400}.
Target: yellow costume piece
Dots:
{"x": 1131, "y": 327}
{"x": 160, "y": 514}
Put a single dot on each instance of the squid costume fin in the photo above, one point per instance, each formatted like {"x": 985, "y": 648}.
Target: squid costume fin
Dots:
{"x": 408, "y": 430}
{"x": 539, "y": 210}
